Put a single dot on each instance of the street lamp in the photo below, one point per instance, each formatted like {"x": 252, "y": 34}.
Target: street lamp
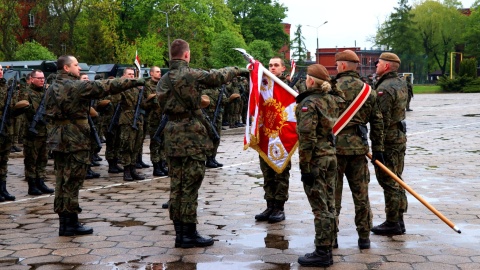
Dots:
{"x": 316, "y": 27}
{"x": 168, "y": 28}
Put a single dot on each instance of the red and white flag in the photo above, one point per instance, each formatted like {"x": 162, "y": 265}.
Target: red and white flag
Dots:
{"x": 137, "y": 62}
{"x": 293, "y": 66}
{"x": 271, "y": 123}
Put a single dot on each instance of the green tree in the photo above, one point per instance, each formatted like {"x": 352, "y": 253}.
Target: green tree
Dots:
{"x": 222, "y": 53}
{"x": 468, "y": 68}
{"x": 261, "y": 50}
{"x": 33, "y": 51}
{"x": 440, "y": 27}
{"x": 298, "y": 47}
{"x": 10, "y": 28}
{"x": 260, "y": 20}
{"x": 472, "y": 32}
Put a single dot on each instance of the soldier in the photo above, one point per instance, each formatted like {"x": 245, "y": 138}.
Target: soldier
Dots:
{"x": 245, "y": 96}
{"x": 94, "y": 147}
{"x": 157, "y": 150}
{"x": 352, "y": 145}
{"x": 186, "y": 139}
{"x": 20, "y": 120}
{"x": 213, "y": 94}
{"x": 35, "y": 145}
{"x": 130, "y": 139}
{"x": 275, "y": 184}
{"x": 316, "y": 113}
{"x": 370, "y": 80}
{"x": 392, "y": 99}
{"x": 68, "y": 102}
{"x": 234, "y": 106}
{"x": 408, "y": 79}
{"x": 5, "y": 140}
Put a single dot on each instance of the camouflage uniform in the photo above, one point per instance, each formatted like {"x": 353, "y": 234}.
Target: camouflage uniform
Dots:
{"x": 234, "y": 107}
{"x": 67, "y": 105}
{"x": 112, "y": 140}
{"x": 157, "y": 150}
{"x": 392, "y": 95}
{"x": 131, "y": 140}
{"x": 20, "y": 121}
{"x": 186, "y": 139}
{"x": 410, "y": 92}
{"x": 5, "y": 141}
{"x": 34, "y": 146}
{"x": 316, "y": 112}
{"x": 212, "y": 94}
{"x": 351, "y": 150}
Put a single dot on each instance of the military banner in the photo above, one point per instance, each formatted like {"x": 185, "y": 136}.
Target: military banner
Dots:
{"x": 271, "y": 124}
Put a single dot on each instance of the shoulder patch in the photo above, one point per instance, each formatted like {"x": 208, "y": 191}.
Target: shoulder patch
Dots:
{"x": 380, "y": 93}
{"x": 304, "y": 109}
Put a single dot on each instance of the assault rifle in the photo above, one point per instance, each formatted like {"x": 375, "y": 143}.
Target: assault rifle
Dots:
{"x": 161, "y": 127}
{"x": 115, "y": 119}
{"x": 93, "y": 130}
{"x": 295, "y": 80}
{"x": 6, "y": 109}
{"x": 211, "y": 130}
{"x": 39, "y": 116}
{"x": 137, "y": 109}
{"x": 218, "y": 106}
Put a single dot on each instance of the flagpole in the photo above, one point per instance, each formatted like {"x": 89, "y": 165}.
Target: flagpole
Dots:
{"x": 418, "y": 197}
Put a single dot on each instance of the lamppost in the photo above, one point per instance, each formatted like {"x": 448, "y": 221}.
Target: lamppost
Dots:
{"x": 316, "y": 27}
{"x": 168, "y": 28}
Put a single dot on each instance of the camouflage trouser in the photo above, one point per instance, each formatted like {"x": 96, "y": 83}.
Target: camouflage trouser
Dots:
{"x": 5, "y": 145}
{"x": 355, "y": 168}
{"x": 36, "y": 157}
{"x": 395, "y": 197}
{"x": 130, "y": 139}
{"x": 186, "y": 176}
{"x": 20, "y": 123}
{"x": 275, "y": 184}
{"x": 322, "y": 200}
{"x": 235, "y": 110}
{"x": 70, "y": 172}
{"x": 112, "y": 144}
{"x": 409, "y": 98}
{"x": 213, "y": 152}
{"x": 157, "y": 150}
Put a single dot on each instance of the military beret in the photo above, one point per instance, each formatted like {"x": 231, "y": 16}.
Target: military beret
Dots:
{"x": 103, "y": 103}
{"x": 204, "y": 102}
{"x": 347, "y": 55}
{"x": 93, "y": 112}
{"x": 391, "y": 57}
{"x": 318, "y": 71}
{"x": 21, "y": 104}
{"x": 233, "y": 96}
{"x": 151, "y": 96}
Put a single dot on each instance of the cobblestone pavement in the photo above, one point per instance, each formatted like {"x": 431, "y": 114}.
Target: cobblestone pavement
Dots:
{"x": 132, "y": 231}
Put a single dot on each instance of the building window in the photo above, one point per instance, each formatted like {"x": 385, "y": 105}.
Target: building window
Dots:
{"x": 31, "y": 20}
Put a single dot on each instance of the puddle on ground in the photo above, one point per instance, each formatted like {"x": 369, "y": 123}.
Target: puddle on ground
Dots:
{"x": 472, "y": 115}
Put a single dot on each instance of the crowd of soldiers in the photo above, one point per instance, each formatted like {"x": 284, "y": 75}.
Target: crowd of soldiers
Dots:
{"x": 183, "y": 113}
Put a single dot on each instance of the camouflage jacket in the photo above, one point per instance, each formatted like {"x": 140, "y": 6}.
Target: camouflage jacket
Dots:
{"x": 67, "y": 105}
{"x": 128, "y": 103}
{"x": 3, "y": 99}
{"x": 152, "y": 107}
{"x": 34, "y": 96}
{"x": 348, "y": 140}
{"x": 392, "y": 96}
{"x": 316, "y": 112}
{"x": 187, "y": 135}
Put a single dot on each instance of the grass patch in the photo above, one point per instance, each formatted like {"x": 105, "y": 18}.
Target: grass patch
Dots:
{"x": 426, "y": 89}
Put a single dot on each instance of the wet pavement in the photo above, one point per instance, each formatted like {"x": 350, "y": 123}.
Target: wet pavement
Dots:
{"x": 132, "y": 231}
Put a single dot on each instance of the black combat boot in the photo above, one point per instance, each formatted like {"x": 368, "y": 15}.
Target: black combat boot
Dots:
{"x": 387, "y": 228}
{"x": 73, "y": 227}
{"x": 120, "y": 169}
{"x": 127, "y": 176}
{"x": 61, "y": 227}
{"x": 266, "y": 214}
{"x": 321, "y": 257}
{"x": 96, "y": 157}
{"x": 142, "y": 164}
{"x": 191, "y": 238}
{"x": 210, "y": 163}
{"x": 91, "y": 174}
{"x": 164, "y": 167}
{"x": 216, "y": 162}
{"x": 401, "y": 222}
{"x": 278, "y": 213}
{"x": 157, "y": 171}
{"x": 134, "y": 174}
{"x": 4, "y": 193}
{"x": 178, "y": 233}
{"x": 42, "y": 187}
{"x": 94, "y": 163}
{"x": 32, "y": 187}
{"x": 364, "y": 243}
{"x": 2, "y": 199}
{"x": 112, "y": 166}
{"x": 166, "y": 205}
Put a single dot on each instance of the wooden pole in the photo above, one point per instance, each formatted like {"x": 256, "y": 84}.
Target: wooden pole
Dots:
{"x": 415, "y": 194}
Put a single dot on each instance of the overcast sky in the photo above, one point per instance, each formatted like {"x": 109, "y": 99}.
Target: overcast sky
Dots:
{"x": 350, "y": 22}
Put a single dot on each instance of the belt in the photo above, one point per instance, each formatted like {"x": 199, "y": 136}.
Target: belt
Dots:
{"x": 179, "y": 116}
{"x": 73, "y": 121}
